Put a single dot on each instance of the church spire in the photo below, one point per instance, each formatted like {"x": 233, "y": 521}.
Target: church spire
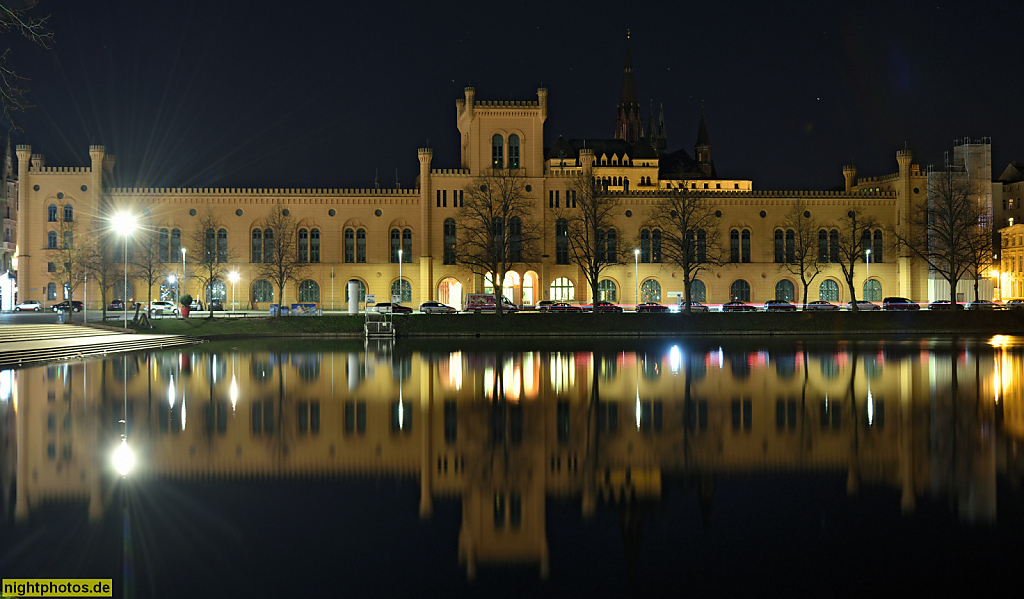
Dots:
{"x": 628, "y": 122}
{"x": 702, "y": 149}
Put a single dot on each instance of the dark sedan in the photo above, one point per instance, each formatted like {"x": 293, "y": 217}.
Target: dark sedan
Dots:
{"x": 563, "y": 307}
{"x": 65, "y": 305}
{"x": 779, "y": 306}
{"x": 738, "y": 307}
{"x": 607, "y": 307}
{"x": 651, "y": 307}
{"x": 899, "y": 303}
{"x": 389, "y": 308}
{"x": 436, "y": 308}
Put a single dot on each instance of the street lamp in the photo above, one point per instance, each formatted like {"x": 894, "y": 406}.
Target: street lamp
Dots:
{"x": 401, "y": 295}
{"x": 636, "y": 274}
{"x": 233, "y": 277}
{"x": 181, "y": 289}
{"x": 125, "y": 224}
{"x": 867, "y": 266}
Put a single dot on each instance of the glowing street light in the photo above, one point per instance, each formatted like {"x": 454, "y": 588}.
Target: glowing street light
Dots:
{"x": 401, "y": 295}
{"x": 181, "y": 290}
{"x": 233, "y": 277}
{"x": 636, "y": 273}
{"x": 868, "y": 264}
{"x": 125, "y": 224}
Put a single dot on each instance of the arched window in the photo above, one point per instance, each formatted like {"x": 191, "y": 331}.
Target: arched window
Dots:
{"x": 396, "y": 243}
{"x": 217, "y": 290}
{"x": 513, "y": 151}
{"x": 656, "y": 246}
{"x": 740, "y": 291}
{"x": 601, "y": 244}
{"x": 303, "y": 245}
{"x": 211, "y": 247}
{"x": 828, "y": 291}
{"x": 51, "y": 213}
{"x": 645, "y": 246}
{"x": 702, "y": 246}
{"x": 785, "y": 291}
{"x": 561, "y": 241}
{"x": 562, "y": 289}
{"x": 309, "y": 291}
{"x": 51, "y": 291}
{"x": 69, "y": 213}
{"x": 314, "y": 246}
{"x": 119, "y": 290}
{"x": 790, "y": 246}
{"x": 449, "y": 241}
{"x": 876, "y": 249}
{"x": 222, "y": 245}
{"x": 780, "y": 248}
{"x": 407, "y": 245}
{"x": 745, "y": 245}
{"x": 350, "y": 245}
{"x": 698, "y": 292}
{"x": 402, "y": 289}
{"x": 164, "y": 244}
{"x": 497, "y": 152}
{"x": 611, "y": 254}
{"x": 262, "y": 291}
{"x": 515, "y": 235}
{"x": 734, "y": 245}
{"x": 650, "y": 291}
{"x": 606, "y": 291}
{"x": 257, "y": 245}
{"x": 822, "y": 245}
{"x": 362, "y": 289}
{"x": 268, "y": 246}
{"x": 865, "y": 245}
{"x": 833, "y": 245}
{"x": 361, "y": 247}
{"x": 872, "y": 289}
{"x": 51, "y": 240}
{"x": 175, "y": 244}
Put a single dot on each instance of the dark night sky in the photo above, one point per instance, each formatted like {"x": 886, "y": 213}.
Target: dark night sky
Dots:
{"x": 195, "y": 93}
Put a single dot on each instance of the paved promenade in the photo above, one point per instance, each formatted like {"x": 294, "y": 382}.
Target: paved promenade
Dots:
{"x": 22, "y": 345}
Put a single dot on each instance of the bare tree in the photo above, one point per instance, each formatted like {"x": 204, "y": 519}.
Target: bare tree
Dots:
{"x": 690, "y": 237}
{"x": 15, "y": 16}
{"x": 979, "y": 249}
{"x": 495, "y": 231}
{"x": 68, "y": 256}
{"x": 941, "y": 231}
{"x": 146, "y": 263}
{"x": 280, "y": 252}
{"x": 854, "y": 237}
{"x": 104, "y": 264}
{"x": 590, "y": 228}
{"x": 803, "y": 260}
{"x": 209, "y": 252}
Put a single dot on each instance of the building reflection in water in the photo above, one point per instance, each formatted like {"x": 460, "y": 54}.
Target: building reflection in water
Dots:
{"x": 507, "y": 431}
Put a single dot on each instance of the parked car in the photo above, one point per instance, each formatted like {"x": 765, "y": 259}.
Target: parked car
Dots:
{"x": 694, "y": 307}
{"x": 607, "y": 307}
{"x": 1015, "y": 304}
{"x": 941, "y": 305}
{"x": 545, "y": 305}
{"x": 738, "y": 307}
{"x": 564, "y": 307}
{"x": 863, "y": 305}
{"x": 651, "y": 307}
{"x": 389, "y": 308}
{"x": 820, "y": 306}
{"x": 163, "y": 308}
{"x": 779, "y": 306}
{"x": 216, "y": 305}
{"x": 74, "y": 306}
{"x": 116, "y": 305}
{"x": 436, "y": 308}
{"x": 899, "y": 303}
{"x": 982, "y": 305}
{"x": 29, "y": 305}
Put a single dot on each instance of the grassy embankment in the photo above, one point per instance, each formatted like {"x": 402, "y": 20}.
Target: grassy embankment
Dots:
{"x": 628, "y": 324}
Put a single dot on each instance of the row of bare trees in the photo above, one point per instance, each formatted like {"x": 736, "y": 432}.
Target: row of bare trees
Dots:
{"x": 949, "y": 231}
{"x": 100, "y": 256}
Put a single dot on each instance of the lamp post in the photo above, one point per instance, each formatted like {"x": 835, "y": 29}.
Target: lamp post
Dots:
{"x": 401, "y": 295}
{"x": 867, "y": 267}
{"x": 233, "y": 277}
{"x": 181, "y": 288}
{"x": 125, "y": 224}
{"x": 636, "y": 274}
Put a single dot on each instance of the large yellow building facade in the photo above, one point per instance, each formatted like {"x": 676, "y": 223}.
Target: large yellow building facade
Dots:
{"x": 350, "y": 235}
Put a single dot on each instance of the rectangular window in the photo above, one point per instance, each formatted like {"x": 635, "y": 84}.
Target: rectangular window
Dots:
{"x": 350, "y": 246}
{"x": 742, "y": 414}
{"x": 355, "y": 417}
{"x": 551, "y": 199}
{"x": 562, "y": 422}
{"x": 556, "y": 198}
{"x": 451, "y": 422}
{"x": 438, "y": 198}
{"x": 361, "y": 246}
{"x": 51, "y": 267}
{"x": 444, "y": 198}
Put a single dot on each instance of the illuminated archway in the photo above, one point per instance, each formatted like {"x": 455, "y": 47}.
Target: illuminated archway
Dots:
{"x": 449, "y": 291}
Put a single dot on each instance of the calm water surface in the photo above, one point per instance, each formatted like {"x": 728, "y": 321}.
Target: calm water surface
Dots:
{"x": 606, "y": 469}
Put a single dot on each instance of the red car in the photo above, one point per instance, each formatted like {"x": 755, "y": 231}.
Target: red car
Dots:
{"x": 563, "y": 307}
{"x": 607, "y": 307}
